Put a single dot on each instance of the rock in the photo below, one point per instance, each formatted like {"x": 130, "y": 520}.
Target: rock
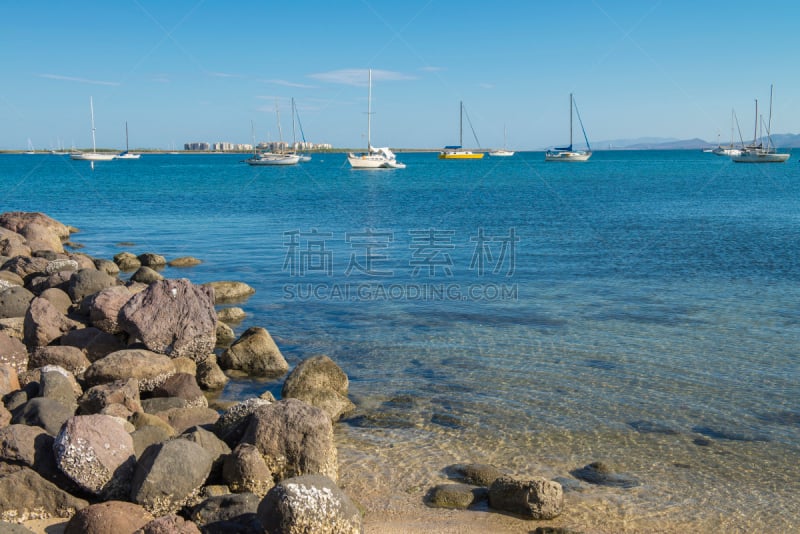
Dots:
{"x": 9, "y": 381}
{"x": 534, "y": 498}
{"x": 604, "y": 475}
{"x": 18, "y": 220}
{"x": 25, "y": 495}
{"x": 107, "y": 266}
{"x": 29, "y": 446}
{"x": 294, "y": 438}
{"x": 104, "y": 307}
{"x": 164, "y": 481}
{"x": 310, "y": 503}
{"x": 5, "y": 416}
{"x": 70, "y": 358}
{"x": 14, "y": 301}
{"x": 185, "y": 365}
{"x": 23, "y": 266}
{"x": 9, "y": 278}
{"x": 146, "y": 275}
{"x": 13, "y": 327}
{"x": 183, "y": 386}
{"x": 209, "y": 374}
{"x": 54, "y": 266}
{"x": 256, "y": 354}
{"x": 39, "y": 237}
{"x": 244, "y": 470}
{"x": 182, "y": 419}
{"x": 58, "y": 298}
{"x": 87, "y": 282}
{"x": 149, "y": 368}
{"x": 13, "y": 353}
{"x": 58, "y": 384}
{"x": 47, "y": 413}
{"x": 13, "y": 528}
{"x": 44, "y": 324}
{"x": 12, "y": 244}
{"x": 169, "y": 524}
{"x": 225, "y": 335}
{"x": 93, "y": 342}
{"x": 321, "y": 383}
{"x": 155, "y": 405}
{"x": 456, "y": 496}
{"x": 231, "y": 425}
{"x": 124, "y": 392}
{"x": 475, "y": 474}
{"x": 173, "y": 317}
{"x": 227, "y": 291}
{"x": 147, "y": 435}
{"x": 97, "y": 453}
{"x": 214, "y": 446}
{"x": 224, "y": 508}
{"x": 127, "y": 261}
{"x": 231, "y": 315}
{"x": 112, "y": 517}
{"x": 148, "y": 259}
{"x": 184, "y": 261}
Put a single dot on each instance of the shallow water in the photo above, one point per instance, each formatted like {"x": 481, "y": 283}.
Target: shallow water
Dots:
{"x": 640, "y": 309}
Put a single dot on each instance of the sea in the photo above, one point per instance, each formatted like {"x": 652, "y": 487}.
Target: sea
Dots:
{"x": 641, "y": 309}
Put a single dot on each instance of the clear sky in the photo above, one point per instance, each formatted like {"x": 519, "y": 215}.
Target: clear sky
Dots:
{"x": 180, "y": 71}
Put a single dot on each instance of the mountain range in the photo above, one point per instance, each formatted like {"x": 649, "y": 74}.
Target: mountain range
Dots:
{"x": 668, "y": 143}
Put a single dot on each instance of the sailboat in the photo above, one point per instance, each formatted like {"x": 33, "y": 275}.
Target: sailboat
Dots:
{"x": 729, "y": 150}
{"x": 94, "y": 155}
{"x": 373, "y": 158}
{"x": 30, "y": 150}
{"x": 274, "y": 158}
{"x": 756, "y": 152}
{"x": 502, "y": 151}
{"x": 303, "y": 157}
{"x": 567, "y": 153}
{"x": 458, "y": 151}
{"x": 127, "y": 154}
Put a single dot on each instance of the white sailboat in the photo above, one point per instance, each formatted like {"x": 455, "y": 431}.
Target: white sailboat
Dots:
{"x": 127, "y": 154}
{"x": 274, "y": 158}
{"x": 756, "y": 152}
{"x": 30, "y": 150}
{"x": 303, "y": 157}
{"x": 567, "y": 153}
{"x": 504, "y": 152}
{"x": 373, "y": 158}
{"x": 94, "y": 155}
{"x": 729, "y": 150}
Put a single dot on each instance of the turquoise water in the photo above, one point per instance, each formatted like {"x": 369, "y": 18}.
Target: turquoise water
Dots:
{"x": 641, "y": 309}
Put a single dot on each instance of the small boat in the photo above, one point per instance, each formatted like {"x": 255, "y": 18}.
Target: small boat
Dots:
{"x": 567, "y": 153}
{"x": 303, "y": 157}
{"x": 30, "y": 150}
{"x": 273, "y": 158}
{"x": 126, "y": 154}
{"x": 373, "y": 158}
{"x": 94, "y": 155}
{"x": 458, "y": 151}
{"x": 503, "y": 152}
{"x": 756, "y": 152}
{"x": 729, "y": 150}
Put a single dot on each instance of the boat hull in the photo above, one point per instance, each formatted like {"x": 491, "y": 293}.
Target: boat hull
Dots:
{"x": 460, "y": 155}
{"x": 751, "y": 157}
{"x": 567, "y": 156}
{"x": 93, "y": 156}
{"x": 501, "y": 153}
{"x": 273, "y": 159}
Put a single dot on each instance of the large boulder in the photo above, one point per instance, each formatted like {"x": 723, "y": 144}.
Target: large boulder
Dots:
{"x": 47, "y": 413}
{"x": 58, "y": 298}
{"x": 534, "y": 498}
{"x": 70, "y": 358}
{"x": 124, "y": 392}
{"x": 97, "y": 453}
{"x": 294, "y": 438}
{"x": 23, "y": 266}
{"x": 104, "y": 307}
{"x": 184, "y": 386}
{"x": 172, "y": 317}
{"x": 233, "y": 422}
{"x": 14, "y": 301}
{"x": 244, "y": 470}
{"x": 44, "y": 324}
{"x": 112, "y": 517}
{"x": 165, "y": 481}
{"x": 149, "y": 368}
{"x": 40, "y": 237}
{"x": 255, "y": 353}
{"x": 18, "y": 220}
{"x": 221, "y": 509}
{"x": 310, "y": 503}
{"x": 57, "y": 383}
{"x": 30, "y": 446}
{"x": 25, "y": 495}
{"x": 321, "y": 383}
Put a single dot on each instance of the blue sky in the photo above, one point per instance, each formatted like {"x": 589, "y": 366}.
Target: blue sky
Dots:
{"x": 183, "y": 71}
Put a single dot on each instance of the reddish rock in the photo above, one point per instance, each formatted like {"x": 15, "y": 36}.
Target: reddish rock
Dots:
{"x": 104, "y": 308}
{"x": 13, "y": 353}
{"x": 112, "y": 517}
{"x": 17, "y": 220}
{"x": 44, "y": 323}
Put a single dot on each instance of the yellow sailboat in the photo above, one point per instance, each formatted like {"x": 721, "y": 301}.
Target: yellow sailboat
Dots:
{"x": 457, "y": 151}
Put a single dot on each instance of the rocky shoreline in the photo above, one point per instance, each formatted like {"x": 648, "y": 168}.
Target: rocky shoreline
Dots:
{"x": 106, "y": 422}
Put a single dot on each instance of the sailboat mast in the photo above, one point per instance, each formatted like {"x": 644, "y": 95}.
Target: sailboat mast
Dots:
{"x": 755, "y": 126}
{"x": 570, "y": 121}
{"x": 91, "y": 110}
{"x": 126, "y": 136}
{"x": 369, "y": 114}
{"x": 461, "y": 123}
{"x": 769, "y": 120}
{"x": 294, "y": 137}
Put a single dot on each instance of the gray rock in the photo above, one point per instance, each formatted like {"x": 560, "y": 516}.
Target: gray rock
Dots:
{"x": 146, "y": 275}
{"x": 225, "y": 335}
{"x": 23, "y": 266}
{"x": 321, "y": 383}
{"x": 41, "y": 283}
{"x": 310, "y": 503}
{"x": 53, "y": 266}
{"x": 475, "y": 474}
{"x": 147, "y": 435}
{"x": 183, "y": 386}
{"x": 456, "y": 496}
{"x": 124, "y": 392}
{"x": 182, "y": 419}
{"x": 209, "y": 374}
{"x": 224, "y": 508}
{"x": 164, "y": 481}
{"x": 534, "y": 498}
{"x": 58, "y": 298}
{"x": 97, "y": 453}
{"x": 155, "y": 405}
{"x": 294, "y": 438}
{"x": 30, "y": 446}
{"x": 47, "y": 413}
{"x": 56, "y": 383}
{"x": 88, "y": 282}
{"x": 214, "y": 446}
{"x": 127, "y": 261}
{"x": 149, "y": 259}
{"x": 107, "y": 266}
{"x": 25, "y": 495}
{"x": 244, "y": 470}
{"x": 604, "y": 475}
{"x": 231, "y": 425}
{"x": 70, "y": 358}
{"x": 172, "y": 317}
{"x": 149, "y": 368}
{"x": 94, "y": 343}
{"x": 14, "y": 301}
{"x": 255, "y": 353}
{"x": 108, "y": 518}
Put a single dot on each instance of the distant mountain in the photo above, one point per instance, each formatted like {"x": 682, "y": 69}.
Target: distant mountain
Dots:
{"x": 786, "y": 140}
{"x": 667, "y": 143}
